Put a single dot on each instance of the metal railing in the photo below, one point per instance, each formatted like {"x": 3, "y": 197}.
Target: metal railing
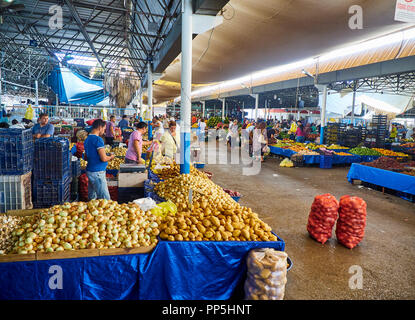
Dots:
{"x": 73, "y": 112}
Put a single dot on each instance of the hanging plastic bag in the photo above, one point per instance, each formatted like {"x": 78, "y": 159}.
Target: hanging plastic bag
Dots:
{"x": 29, "y": 112}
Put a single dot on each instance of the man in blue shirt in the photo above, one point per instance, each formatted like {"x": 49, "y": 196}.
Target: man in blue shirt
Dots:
{"x": 124, "y": 122}
{"x": 97, "y": 162}
{"x": 43, "y": 129}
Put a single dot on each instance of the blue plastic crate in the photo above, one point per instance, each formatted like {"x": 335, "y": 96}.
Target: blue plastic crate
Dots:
{"x": 152, "y": 176}
{"x": 52, "y": 159}
{"x": 76, "y": 168}
{"x": 326, "y": 162}
{"x": 199, "y": 165}
{"x": 16, "y": 151}
{"x": 47, "y": 193}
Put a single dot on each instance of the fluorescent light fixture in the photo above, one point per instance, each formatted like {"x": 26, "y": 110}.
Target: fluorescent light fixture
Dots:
{"x": 78, "y": 60}
{"x": 336, "y": 54}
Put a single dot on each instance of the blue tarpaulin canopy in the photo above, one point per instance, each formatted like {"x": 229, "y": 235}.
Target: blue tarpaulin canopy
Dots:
{"x": 74, "y": 88}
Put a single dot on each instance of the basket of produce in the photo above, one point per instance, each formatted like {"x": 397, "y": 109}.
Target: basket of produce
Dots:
{"x": 298, "y": 160}
{"x": 234, "y": 194}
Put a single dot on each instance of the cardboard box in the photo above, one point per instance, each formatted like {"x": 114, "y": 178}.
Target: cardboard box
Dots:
{"x": 132, "y": 180}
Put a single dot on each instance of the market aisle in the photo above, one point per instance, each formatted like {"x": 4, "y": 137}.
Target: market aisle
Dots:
{"x": 283, "y": 197}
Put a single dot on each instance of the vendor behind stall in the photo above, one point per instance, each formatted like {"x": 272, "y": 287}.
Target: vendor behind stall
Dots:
{"x": 97, "y": 162}
{"x": 135, "y": 144}
{"x": 43, "y": 129}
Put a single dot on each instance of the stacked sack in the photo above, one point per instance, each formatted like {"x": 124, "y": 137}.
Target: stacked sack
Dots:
{"x": 322, "y": 217}
{"x": 267, "y": 274}
{"x": 351, "y": 224}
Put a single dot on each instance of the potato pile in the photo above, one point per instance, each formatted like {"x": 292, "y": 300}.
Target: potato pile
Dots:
{"x": 100, "y": 224}
{"x": 213, "y": 215}
{"x": 7, "y": 225}
{"x": 174, "y": 171}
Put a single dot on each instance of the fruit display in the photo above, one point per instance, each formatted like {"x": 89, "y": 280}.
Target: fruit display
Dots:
{"x": 343, "y": 154}
{"x": 267, "y": 274}
{"x": 361, "y": 151}
{"x": 312, "y": 146}
{"x": 211, "y": 215}
{"x": 322, "y": 217}
{"x": 336, "y": 147}
{"x": 351, "y": 224}
{"x": 390, "y": 153}
{"x": 408, "y": 145}
{"x": 213, "y": 122}
{"x": 385, "y": 163}
{"x": 326, "y": 152}
{"x": 100, "y": 224}
{"x": 7, "y": 225}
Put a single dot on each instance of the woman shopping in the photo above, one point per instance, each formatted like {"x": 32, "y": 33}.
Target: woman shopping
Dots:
{"x": 135, "y": 144}
{"x": 170, "y": 142}
{"x": 300, "y": 133}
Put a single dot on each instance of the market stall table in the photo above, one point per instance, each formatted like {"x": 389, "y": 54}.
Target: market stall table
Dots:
{"x": 173, "y": 270}
{"x": 384, "y": 178}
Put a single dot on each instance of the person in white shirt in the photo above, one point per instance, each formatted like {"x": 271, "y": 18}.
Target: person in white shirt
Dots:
{"x": 409, "y": 133}
{"x": 17, "y": 125}
{"x": 202, "y": 128}
{"x": 158, "y": 129}
{"x": 170, "y": 143}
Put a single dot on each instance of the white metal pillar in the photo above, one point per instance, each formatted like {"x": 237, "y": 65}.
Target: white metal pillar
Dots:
{"x": 37, "y": 94}
{"x": 203, "y": 108}
{"x": 323, "y": 114}
{"x": 256, "y": 106}
{"x": 140, "y": 101}
{"x": 223, "y": 109}
{"x": 186, "y": 86}
{"x": 150, "y": 90}
{"x": 354, "y": 102}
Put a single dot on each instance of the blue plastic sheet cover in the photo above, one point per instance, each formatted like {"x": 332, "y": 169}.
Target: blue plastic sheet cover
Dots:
{"x": 76, "y": 88}
{"x": 196, "y": 270}
{"x": 282, "y": 152}
{"x": 384, "y": 178}
{"x": 173, "y": 270}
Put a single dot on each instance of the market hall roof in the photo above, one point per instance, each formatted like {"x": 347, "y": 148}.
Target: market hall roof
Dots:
{"x": 257, "y": 35}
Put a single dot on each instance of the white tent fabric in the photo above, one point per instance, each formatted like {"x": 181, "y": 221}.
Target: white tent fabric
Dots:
{"x": 382, "y": 103}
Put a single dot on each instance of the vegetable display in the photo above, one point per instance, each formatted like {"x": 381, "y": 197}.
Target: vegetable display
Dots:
{"x": 210, "y": 215}
{"x": 322, "y": 217}
{"x": 390, "y": 153}
{"x": 267, "y": 275}
{"x": 361, "y": 151}
{"x": 350, "y": 228}
{"x": 7, "y": 225}
{"x": 97, "y": 224}
{"x": 174, "y": 170}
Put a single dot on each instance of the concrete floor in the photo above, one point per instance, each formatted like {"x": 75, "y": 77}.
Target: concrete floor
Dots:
{"x": 283, "y": 196}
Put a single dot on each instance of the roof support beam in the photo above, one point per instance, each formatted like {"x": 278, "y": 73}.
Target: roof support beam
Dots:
{"x": 78, "y": 20}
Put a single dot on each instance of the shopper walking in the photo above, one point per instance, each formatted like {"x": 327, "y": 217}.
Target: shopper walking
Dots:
{"x": 123, "y": 123}
{"x": 110, "y": 131}
{"x": 97, "y": 162}
{"x": 43, "y": 129}
{"x": 300, "y": 134}
{"x": 170, "y": 143}
{"x": 135, "y": 144}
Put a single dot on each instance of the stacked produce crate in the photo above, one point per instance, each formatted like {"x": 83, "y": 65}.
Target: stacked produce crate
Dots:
{"x": 352, "y": 138}
{"x": 379, "y": 123}
{"x": 51, "y": 172}
{"x": 76, "y": 172}
{"x": 333, "y": 133}
{"x": 16, "y": 162}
